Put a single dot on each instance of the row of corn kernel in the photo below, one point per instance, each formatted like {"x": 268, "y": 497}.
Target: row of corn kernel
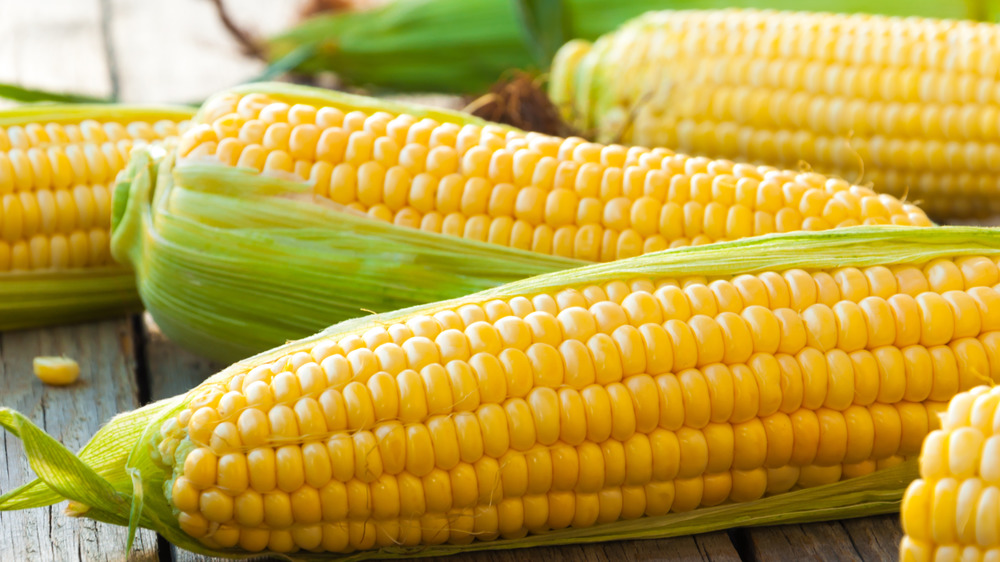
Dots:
{"x": 410, "y": 512}
{"x": 88, "y": 131}
{"x": 81, "y": 248}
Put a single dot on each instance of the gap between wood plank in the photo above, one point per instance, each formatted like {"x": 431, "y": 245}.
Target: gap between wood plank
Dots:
{"x": 71, "y": 415}
{"x": 740, "y": 537}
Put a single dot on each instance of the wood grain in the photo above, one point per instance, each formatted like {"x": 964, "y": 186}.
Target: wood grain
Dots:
{"x": 54, "y": 44}
{"x": 70, "y": 414}
{"x": 873, "y": 539}
{"x": 178, "y": 51}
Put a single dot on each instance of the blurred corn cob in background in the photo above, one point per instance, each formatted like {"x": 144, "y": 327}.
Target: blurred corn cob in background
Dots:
{"x": 57, "y": 165}
{"x": 463, "y": 47}
{"x": 343, "y": 201}
{"x": 909, "y": 105}
{"x": 671, "y": 393}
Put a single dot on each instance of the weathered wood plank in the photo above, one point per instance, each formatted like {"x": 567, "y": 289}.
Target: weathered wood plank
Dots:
{"x": 59, "y": 45}
{"x": 717, "y": 547}
{"x": 712, "y": 547}
{"x": 875, "y": 538}
{"x": 870, "y": 539}
{"x": 179, "y": 51}
{"x": 71, "y": 414}
{"x": 55, "y": 44}
{"x": 172, "y": 370}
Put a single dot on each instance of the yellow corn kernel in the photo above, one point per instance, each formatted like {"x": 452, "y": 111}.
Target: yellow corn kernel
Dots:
{"x": 57, "y": 371}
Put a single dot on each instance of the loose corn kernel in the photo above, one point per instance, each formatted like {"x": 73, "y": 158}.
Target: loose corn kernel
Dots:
{"x": 57, "y": 371}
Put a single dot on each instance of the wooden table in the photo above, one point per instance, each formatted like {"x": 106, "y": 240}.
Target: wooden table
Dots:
{"x": 177, "y": 51}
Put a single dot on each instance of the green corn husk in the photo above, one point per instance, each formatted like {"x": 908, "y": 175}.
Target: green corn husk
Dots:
{"x": 230, "y": 262}
{"x": 43, "y": 297}
{"x": 463, "y": 46}
{"x": 115, "y": 478}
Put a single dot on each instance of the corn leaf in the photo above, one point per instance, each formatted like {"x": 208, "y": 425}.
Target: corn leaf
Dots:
{"x": 285, "y": 64}
{"x": 29, "y": 299}
{"x": 22, "y": 94}
{"x": 101, "y": 453}
{"x": 212, "y": 236}
{"x": 460, "y": 46}
{"x": 544, "y": 27}
{"x": 59, "y": 468}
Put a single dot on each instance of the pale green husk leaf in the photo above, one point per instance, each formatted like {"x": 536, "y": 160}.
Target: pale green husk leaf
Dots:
{"x": 231, "y": 262}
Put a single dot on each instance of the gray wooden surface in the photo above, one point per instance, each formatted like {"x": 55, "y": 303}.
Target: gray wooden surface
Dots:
{"x": 177, "y": 51}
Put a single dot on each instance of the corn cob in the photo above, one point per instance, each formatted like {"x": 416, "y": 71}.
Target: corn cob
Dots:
{"x": 907, "y": 104}
{"x": 462, "y": 47}
{"x": 276, "y": 156}
{"x": 565, "y": 197}
{"x": 56, "y": 166}
{"x": 951, "y": 511}
{"x": 703, "y": 386}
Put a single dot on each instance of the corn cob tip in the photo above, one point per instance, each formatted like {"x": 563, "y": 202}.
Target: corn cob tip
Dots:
{"x": 952, "y": 510}
{"x": 563, "y": 74}
{"x": 790, "y": 87}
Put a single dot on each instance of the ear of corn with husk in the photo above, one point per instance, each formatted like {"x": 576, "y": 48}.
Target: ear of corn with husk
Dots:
{"x": 906, "y": 104}
{"x": 57, "y": 163}
{"x": 913, "y": 310}
{"x": 323, "y": 205}
{"x": 464, "y": 47}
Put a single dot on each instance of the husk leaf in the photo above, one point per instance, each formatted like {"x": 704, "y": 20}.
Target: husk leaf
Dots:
{"x": 231, "y": 262}
{"x": 463, "y": 46}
